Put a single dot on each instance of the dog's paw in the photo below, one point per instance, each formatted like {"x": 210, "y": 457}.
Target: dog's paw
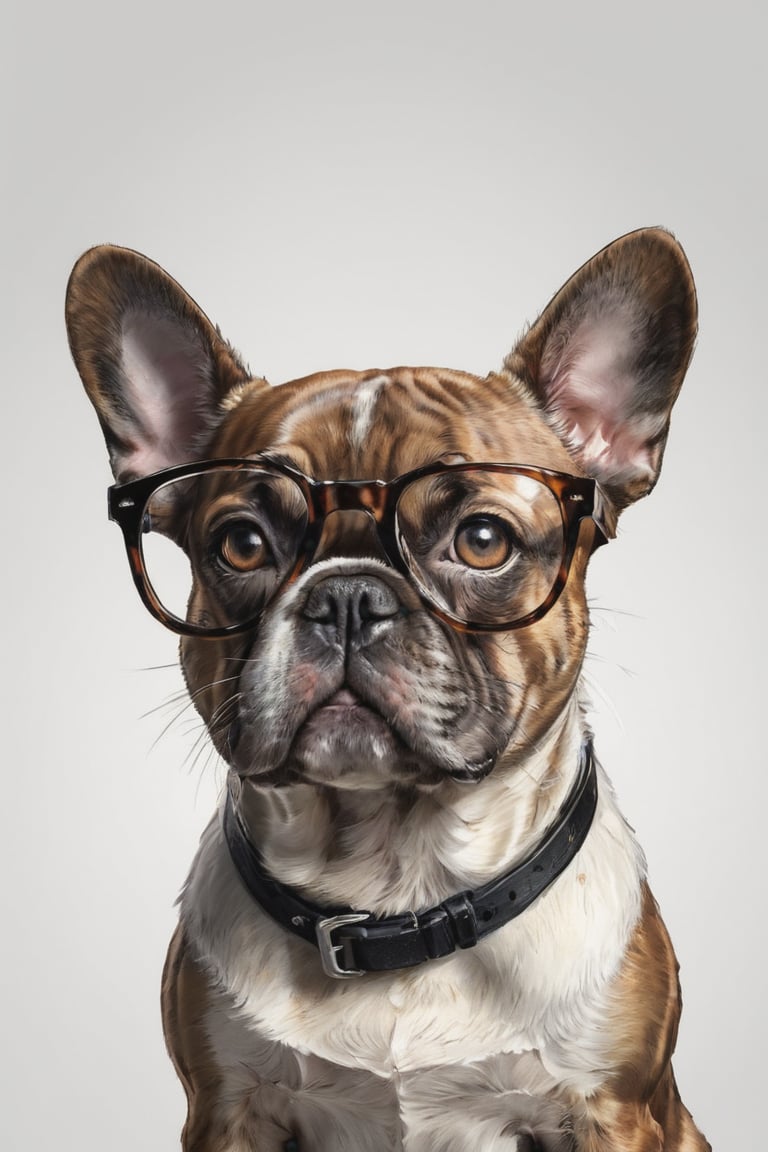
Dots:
{"x": 524, "y": 1142}
{"x": 508, "y": 1122}
{"x": 545, "y": 1139}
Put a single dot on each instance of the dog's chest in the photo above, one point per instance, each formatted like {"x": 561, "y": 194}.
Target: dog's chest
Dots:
{"x": 409, "y": 1076}
{"x": 431, "y": 1058}
{"x": 391, "y": 1025}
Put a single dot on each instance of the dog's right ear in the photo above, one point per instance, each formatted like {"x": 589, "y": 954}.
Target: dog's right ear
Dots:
{"x": 153, "y": 365}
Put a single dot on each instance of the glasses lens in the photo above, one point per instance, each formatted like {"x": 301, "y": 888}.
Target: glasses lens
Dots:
{"x": 485, "y": 547}
{"x": 216, "y": 545}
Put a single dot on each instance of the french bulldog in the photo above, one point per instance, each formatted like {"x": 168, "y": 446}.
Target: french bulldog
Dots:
{"x": 418, "y": 922}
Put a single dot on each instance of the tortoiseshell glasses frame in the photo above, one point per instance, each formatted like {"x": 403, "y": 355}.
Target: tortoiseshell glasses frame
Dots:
{"x": 579, "y": 498}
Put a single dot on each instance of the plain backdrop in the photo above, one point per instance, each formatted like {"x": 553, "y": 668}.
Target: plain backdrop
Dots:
{"x": 362, "y": 185}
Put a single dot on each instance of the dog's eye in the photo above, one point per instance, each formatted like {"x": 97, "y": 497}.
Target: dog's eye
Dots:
{"x": 482, "y": 542}
{"x": 242, "y": 547}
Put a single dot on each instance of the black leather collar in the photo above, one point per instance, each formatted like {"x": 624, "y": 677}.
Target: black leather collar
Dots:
{"x": 352, "y": 942}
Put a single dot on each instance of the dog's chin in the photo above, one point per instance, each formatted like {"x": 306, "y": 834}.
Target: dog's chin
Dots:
{"x": 345, "y": 744}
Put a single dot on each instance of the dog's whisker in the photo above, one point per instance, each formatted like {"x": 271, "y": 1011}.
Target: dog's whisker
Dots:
{"x": 225, "y": 712}
{"x": 201, "y": 746}
{"x": 175, "y": 720}
{"x": 174, "y": 667}
{"x": 180, "y": 697}
{"x": 596, "y": 606}
{"x": 200, "y": 757}
{"x": 204, "y": 748}
{"x": 184, "y": 703}
{"x": 593, "y": 657}
{"x": 597, "y": 690}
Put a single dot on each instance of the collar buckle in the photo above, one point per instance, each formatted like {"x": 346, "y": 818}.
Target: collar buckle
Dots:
{"x": 328, "y": 950}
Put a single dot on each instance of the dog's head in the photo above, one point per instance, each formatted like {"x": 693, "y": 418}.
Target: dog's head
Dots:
{"x": 382, "y": 576}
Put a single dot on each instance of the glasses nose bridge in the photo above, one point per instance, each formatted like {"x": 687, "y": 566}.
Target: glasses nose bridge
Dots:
{"x": 369, "y": 496}
{"x": 328, "y": 532}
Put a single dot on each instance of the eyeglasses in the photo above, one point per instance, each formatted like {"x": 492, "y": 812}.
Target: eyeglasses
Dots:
{"x": 487, "y": 547}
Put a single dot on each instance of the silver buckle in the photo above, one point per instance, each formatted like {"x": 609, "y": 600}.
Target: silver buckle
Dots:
{"x": 328, "y": 949}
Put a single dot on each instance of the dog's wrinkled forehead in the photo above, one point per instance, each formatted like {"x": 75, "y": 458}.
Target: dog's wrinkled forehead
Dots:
{"x": 380, "y": 424}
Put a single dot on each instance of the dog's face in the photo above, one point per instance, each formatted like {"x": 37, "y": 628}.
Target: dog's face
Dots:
{"x": 348, "y": 678}
{"x": 359, "y": 667}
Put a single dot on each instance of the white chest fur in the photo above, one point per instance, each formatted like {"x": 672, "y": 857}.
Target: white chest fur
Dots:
{"x": 421, "y": 1054}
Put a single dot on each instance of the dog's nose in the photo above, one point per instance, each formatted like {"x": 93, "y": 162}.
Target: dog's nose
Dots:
{"x": 348, "y": 608}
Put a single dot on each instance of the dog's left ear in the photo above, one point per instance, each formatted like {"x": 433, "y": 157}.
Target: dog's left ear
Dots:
{"x": 607, "y": 357}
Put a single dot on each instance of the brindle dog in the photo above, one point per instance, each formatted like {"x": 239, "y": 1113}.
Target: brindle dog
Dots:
{"x": 419, "y": 921}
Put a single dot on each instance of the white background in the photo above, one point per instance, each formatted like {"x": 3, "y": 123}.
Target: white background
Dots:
{"x": 361, "y": 185}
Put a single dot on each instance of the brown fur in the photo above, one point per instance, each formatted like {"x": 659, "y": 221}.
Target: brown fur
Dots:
{"x": 641, "y": 1110}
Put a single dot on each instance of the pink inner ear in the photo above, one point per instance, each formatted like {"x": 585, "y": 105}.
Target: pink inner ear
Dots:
{"x": 168, "y": 390}
{"x": 590, "y": 381}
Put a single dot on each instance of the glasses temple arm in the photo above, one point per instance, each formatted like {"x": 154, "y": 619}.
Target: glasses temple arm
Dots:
{"x": 605, "y": 516}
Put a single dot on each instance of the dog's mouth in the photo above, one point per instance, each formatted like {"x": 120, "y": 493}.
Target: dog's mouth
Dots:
{"x": 348, "y": 743}
{"x": 342, "y": 701}
{"x": 344, "y": 715}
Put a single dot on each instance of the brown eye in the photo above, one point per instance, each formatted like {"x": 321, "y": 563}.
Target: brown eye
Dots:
{"x": 242, "y": 547}
{"x": 482, "y": 543}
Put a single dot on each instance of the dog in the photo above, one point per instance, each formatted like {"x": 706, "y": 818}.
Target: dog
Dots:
{"x": 419, "y": 922}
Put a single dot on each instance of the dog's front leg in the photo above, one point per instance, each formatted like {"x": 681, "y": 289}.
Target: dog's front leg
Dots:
{"x": 632, "y": 1126}
{"x": 627, "y": 1125}
{"x": 639, "y": 1108}
{"x": 252, "y": 1124}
